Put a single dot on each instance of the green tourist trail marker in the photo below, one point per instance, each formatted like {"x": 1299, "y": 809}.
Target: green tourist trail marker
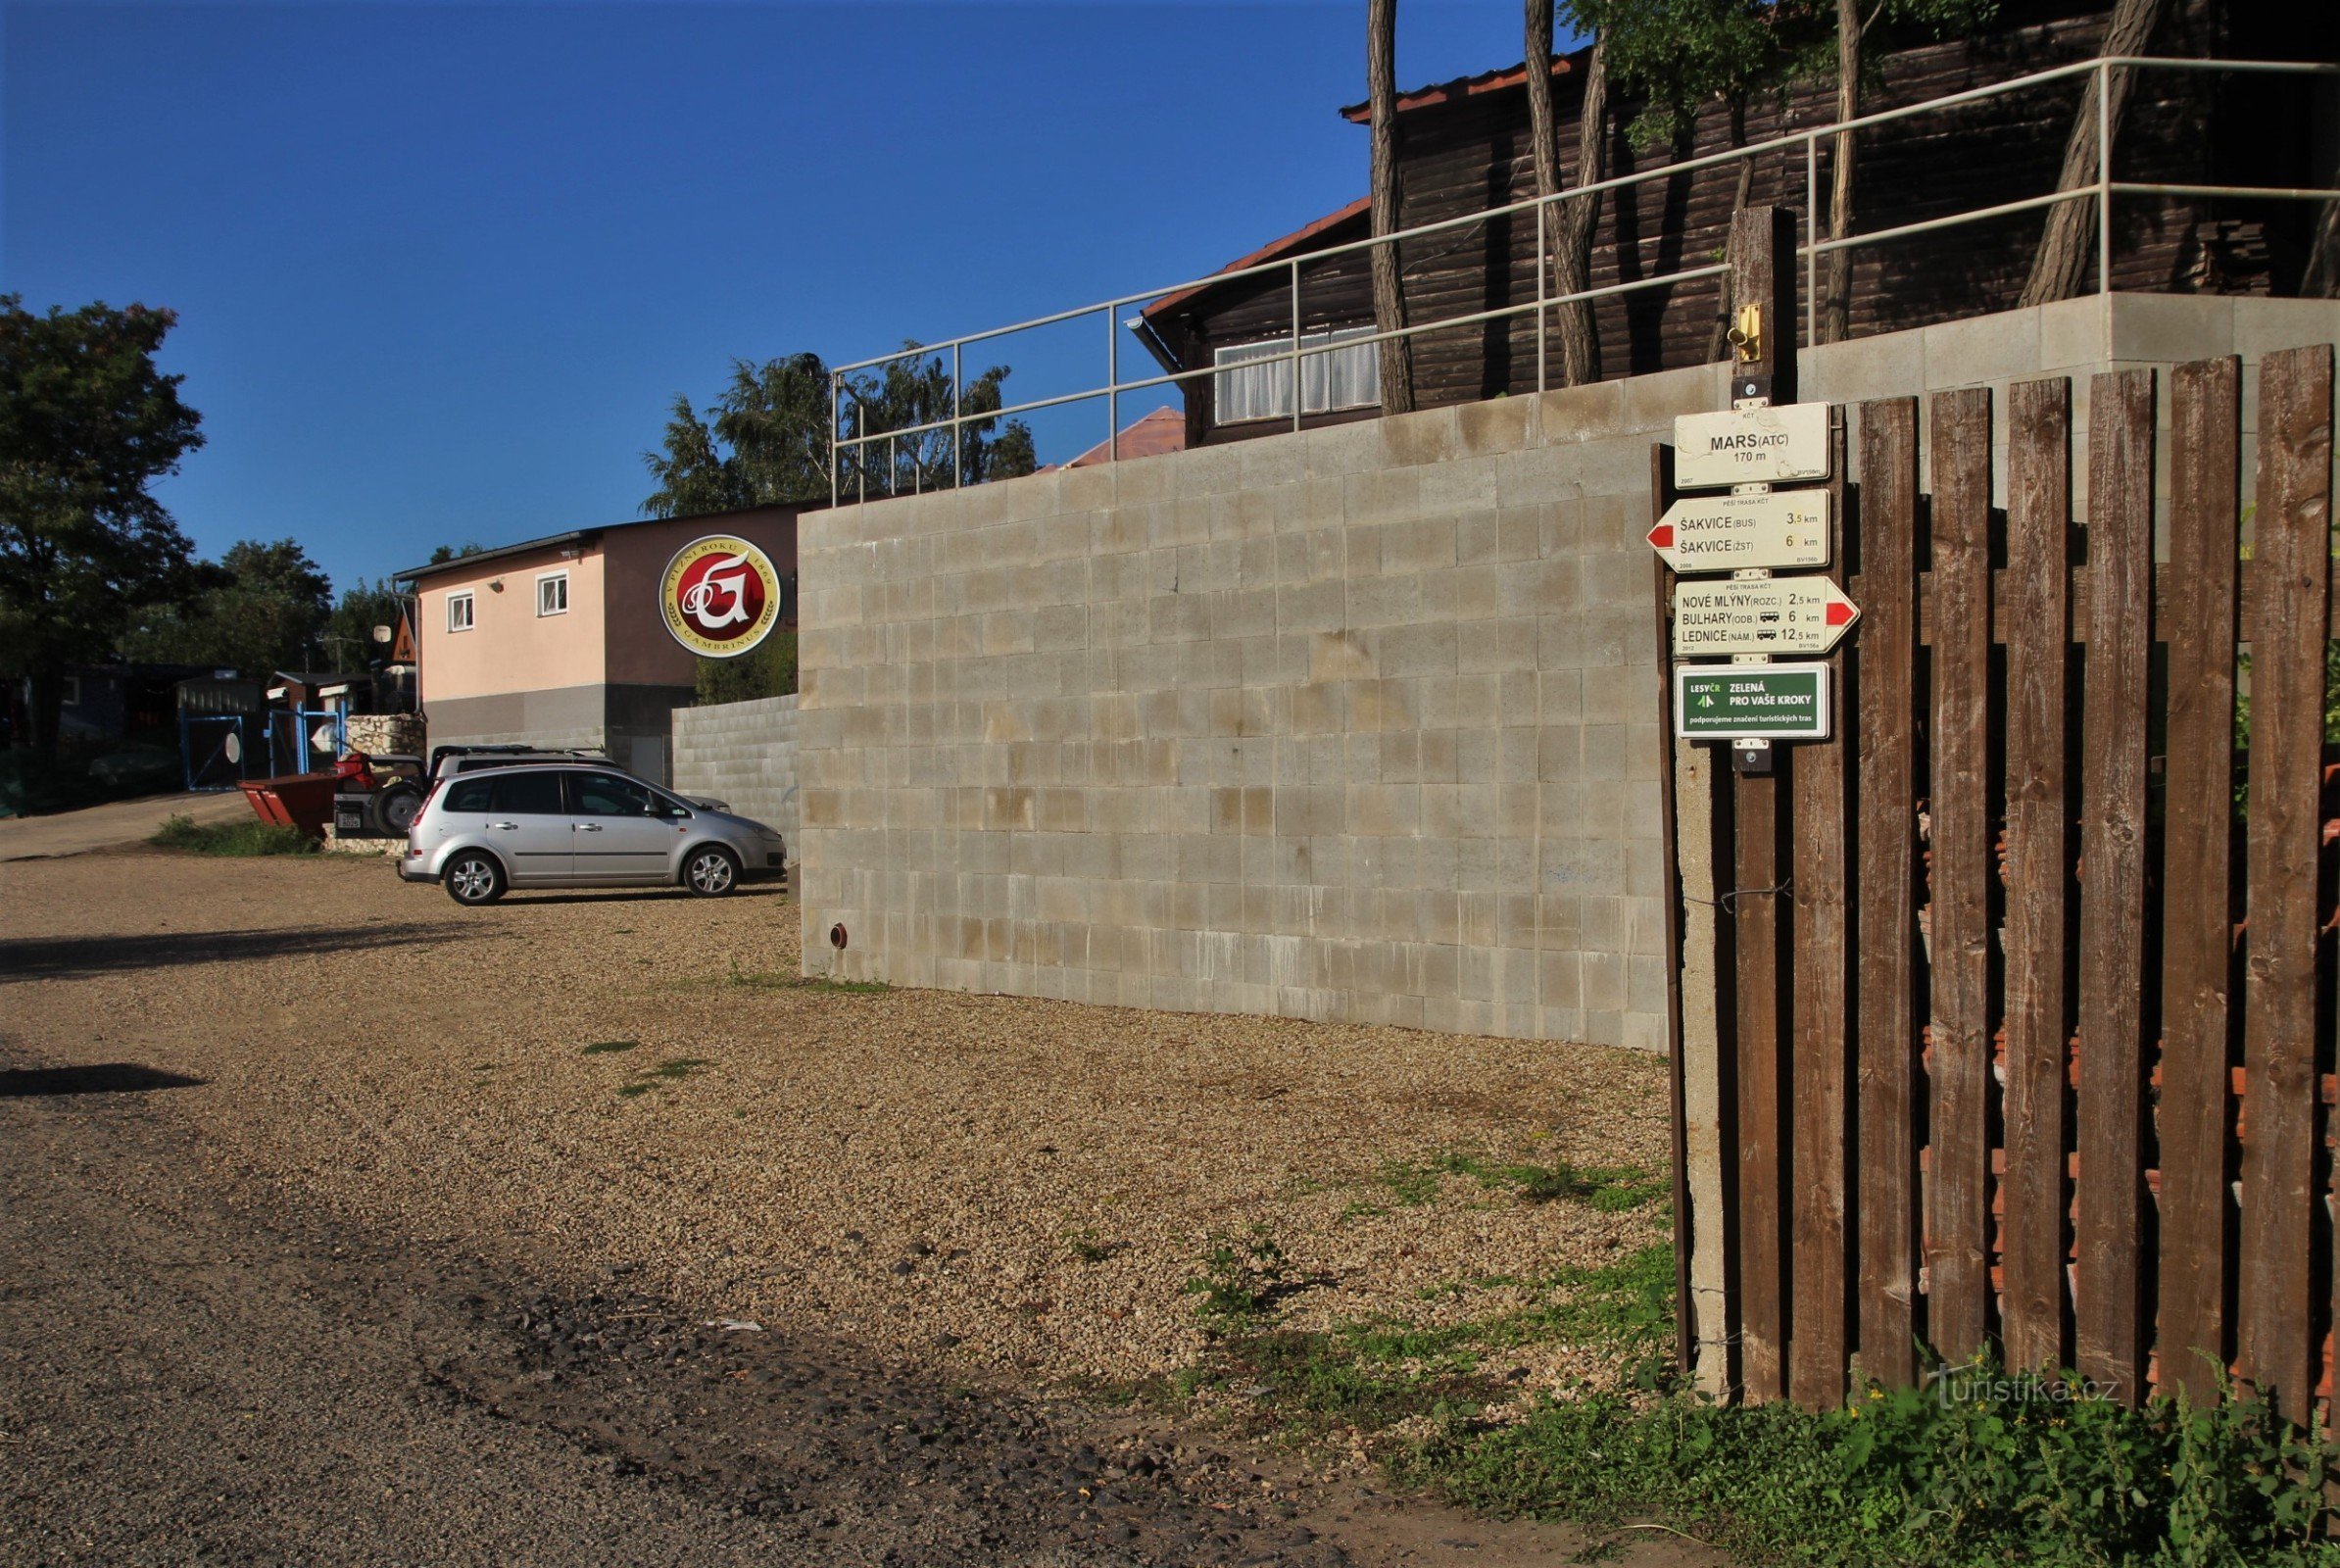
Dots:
{"x": 1748, "y": 702}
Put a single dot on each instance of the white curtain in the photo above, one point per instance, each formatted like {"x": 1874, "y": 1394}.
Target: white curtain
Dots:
{"x": 1250, "y": 385}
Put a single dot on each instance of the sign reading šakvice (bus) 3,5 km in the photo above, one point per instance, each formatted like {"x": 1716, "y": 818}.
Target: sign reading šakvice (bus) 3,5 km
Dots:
{"x": 1736, "y": 533}
{"x": 1747, "y": 702}
{"x": 1767, "y": 445}
{"x": 1760, "y": 616}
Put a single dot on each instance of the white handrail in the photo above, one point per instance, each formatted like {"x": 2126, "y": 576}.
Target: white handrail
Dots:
{"x": 2102, "y": 191}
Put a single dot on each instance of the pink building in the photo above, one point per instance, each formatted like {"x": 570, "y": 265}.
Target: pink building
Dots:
{"x": 559, "y": 640}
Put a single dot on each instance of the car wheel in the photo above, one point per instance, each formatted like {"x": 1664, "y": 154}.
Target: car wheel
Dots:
{"x": 394, "y": 810}
{"x": 474, "y": 879}
{"x": 711, "y": 872}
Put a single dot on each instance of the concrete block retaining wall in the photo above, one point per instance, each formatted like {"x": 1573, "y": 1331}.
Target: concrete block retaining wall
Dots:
{"x": 1359, "y": 723}
{"x": 744, "y": 753}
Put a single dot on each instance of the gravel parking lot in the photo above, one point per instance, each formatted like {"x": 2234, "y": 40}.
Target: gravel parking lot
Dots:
{"x": 1006, "y": 1189}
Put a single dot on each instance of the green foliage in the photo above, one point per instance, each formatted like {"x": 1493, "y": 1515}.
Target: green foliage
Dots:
{"x": 768, "y": 669}
{"x": 765, "y": 438}
{"x": 1085, "y": 1245}
{"x": 1983, "y": 1468}
{"x": 261, "y": 608}
{"x": 245, "y": 837}
{"x": 1241, "y": 1280}
{"x": 348, "y": 638}
{"x": 87, "y": 422}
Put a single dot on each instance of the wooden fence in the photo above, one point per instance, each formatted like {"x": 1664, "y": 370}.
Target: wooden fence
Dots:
{"x": 2029, "y": 1009}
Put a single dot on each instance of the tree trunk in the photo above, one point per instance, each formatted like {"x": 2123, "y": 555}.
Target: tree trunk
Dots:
{"x": 2065, "y": 246}
{"x": 2321, "y": 279}
{"x": 1836, "y": 314}
{"x": 1544, "y": 145}
{"x": 1718, "y": 346}
{"x": 1580, "y": 217}
{"x": 1389, "y": 289}
{"x": 45, "y": 703}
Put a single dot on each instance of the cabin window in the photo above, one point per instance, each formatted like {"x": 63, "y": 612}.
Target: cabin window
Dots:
{"x": 459, "y": 612}
{"x": 1251, "y": 385}
{"x": 551, "y": 594}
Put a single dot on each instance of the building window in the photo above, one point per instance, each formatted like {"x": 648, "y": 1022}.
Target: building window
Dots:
{"x": 459, "y": 612}
{"x": 69, "y": 691}
{"x": 1344, "y": 378}
{"x": 551, "y": 594}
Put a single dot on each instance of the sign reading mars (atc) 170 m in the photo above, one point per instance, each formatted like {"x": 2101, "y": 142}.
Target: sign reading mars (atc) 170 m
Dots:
{"x": 1751, "y": 446}
{"x": 1760, "y": 616}
{"x": 1735, "y": 533}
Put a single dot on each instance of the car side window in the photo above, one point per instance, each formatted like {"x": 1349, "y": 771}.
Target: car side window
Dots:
{"x": 519, "y": 794}
{"x": 468, "y": 795}
{"x": 607, "y": 794}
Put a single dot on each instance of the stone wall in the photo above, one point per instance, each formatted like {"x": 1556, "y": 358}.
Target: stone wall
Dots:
{"x": 386, "y": 734}
{"x": 1360, "y": 723}
{"x": 744, "y": 753}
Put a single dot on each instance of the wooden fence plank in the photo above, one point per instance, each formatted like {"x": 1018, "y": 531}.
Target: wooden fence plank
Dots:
{"x": 1958, "y": 1188}
{"x": 2197, "y": 615}
{"x": 1886, "y": 1040}
{"x": 1762, "y": 1133}
{"x": 2039, "y": 870}
{"x": 1820, "y": 1331}
{"x": 2108, "y": 1325}
{"x": 2003, "y": 621}
{"x": 2288, "y": 626}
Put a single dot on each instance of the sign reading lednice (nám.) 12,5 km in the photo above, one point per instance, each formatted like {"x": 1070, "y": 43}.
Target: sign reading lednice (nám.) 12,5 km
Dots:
{"x": 1766, "y": 445}
{"x": 1741, "y": 532}
{"x": 1760, "y": 616}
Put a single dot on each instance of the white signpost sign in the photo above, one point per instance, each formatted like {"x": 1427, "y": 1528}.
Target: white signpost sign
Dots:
{"x": 1760, "y": 616}
{"x": 1766, "y": 445}
{"x": 1737, "y": 533}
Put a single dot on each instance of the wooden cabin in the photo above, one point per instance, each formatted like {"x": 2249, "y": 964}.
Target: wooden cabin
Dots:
{"x": 1462, "y": 147}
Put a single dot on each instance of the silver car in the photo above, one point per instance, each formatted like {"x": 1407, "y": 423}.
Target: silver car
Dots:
{"x": 483, "y": 834}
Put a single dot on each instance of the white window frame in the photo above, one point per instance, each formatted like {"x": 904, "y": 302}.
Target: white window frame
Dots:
{"x": 1244, "y": 393}
{"x": 544, "y": 577}
{"x": 470, "y": 611}
{"x": 68, "y": 690}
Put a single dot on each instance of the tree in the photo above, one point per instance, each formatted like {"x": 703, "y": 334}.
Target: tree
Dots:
{"x": 263, "y": 607}
{"x": 1389, "y": 285}
{"x": 348, "y": 638}
{"x": 766, "y": 439}
{"x": 2069, "y": 238}
{"x": 87, "y": 421}
{"x": 1580, "y": 217}
{"x": 768, "y": 669}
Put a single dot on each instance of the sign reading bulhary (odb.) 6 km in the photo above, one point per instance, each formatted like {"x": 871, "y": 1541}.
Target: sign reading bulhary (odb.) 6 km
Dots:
{"x": 1736, "y": 533}
{"x": 1751, "y": 446}
{"x": 1760, "y": 616}
{"x": 721, "y": 595}
{"x": 1746, "y": 702}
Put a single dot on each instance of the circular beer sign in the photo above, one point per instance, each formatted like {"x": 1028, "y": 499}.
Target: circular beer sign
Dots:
{"x": 719, "y": 595}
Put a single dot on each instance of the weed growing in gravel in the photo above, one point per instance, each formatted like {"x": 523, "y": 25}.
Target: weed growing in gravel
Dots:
{"x": 678, "y": 1067}
{"x": 1611, "y": 1189}
{"x": 241, "y": 838}
{"x": 1241, "y": 1280}
{"x": 601, "y": 1048}
{"x": 629, "y": 1090}
{"x": 1086, "y": 1247}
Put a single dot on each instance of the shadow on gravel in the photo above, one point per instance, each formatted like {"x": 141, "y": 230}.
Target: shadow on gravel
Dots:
{"x": 105, "y": 1078}
{"x": 529, "y": 898}
{"x": 63, "y": 958}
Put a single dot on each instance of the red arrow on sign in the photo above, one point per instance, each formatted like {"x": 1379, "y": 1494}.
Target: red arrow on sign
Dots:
{"x": 1662, "y": 536}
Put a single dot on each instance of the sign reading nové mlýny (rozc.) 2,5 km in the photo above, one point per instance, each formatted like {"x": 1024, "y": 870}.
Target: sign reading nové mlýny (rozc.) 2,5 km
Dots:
{"x": 1768, "y": 445}
{"x": 1749, "y": 701}
{"x": 1760, "y": 616}
{"x": 1736, "y": 533}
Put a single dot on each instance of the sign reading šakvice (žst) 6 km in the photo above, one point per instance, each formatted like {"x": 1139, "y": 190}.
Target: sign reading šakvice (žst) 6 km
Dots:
{"x": 719, "y": 595}
{"x": 1737, "y": 533}
{"x": 1767, "y": 445}
{"x": 1747, "y": 702}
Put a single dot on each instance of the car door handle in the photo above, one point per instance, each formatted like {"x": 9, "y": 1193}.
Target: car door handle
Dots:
{"x": 587, "y": 827}
{"x": 512, "y": 827}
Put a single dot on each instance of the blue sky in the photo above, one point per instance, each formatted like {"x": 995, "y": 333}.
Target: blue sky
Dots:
{"x": 440, "y": 269}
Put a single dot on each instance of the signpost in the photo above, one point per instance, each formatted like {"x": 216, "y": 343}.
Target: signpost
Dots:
{"x": 1741, "y": 702}
{"x": 1760, "y": 616}
{"x": 1760, "y": 444}
{"x": 1766, "y": 530}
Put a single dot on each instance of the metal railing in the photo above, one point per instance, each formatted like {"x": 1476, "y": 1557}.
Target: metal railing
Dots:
{"x": 2102, "y": 191}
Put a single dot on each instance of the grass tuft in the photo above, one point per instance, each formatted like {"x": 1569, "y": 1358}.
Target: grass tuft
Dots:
{"x": 246, "y": 837}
